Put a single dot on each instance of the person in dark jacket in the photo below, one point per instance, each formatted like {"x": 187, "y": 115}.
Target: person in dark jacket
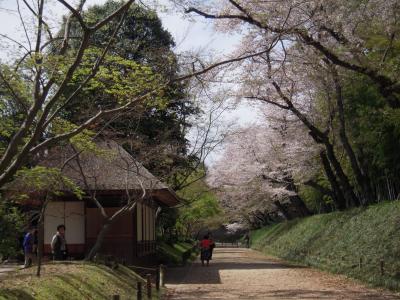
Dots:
{"x": 59, "y": 244}
{"x": 247, "y": 240}
{"x": 28, "y": 244}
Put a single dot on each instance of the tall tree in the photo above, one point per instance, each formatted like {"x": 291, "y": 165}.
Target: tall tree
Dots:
{"x": 342, "y": 32}
{"x": 46, "y": 76}
{"x": 153, "y": 132}
{"x": 300, "y": 46}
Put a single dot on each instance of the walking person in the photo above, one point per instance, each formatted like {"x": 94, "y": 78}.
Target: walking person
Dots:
{"x": 205, "y": 251}
{"x": 59, "y": 244}
{"x": 28, "y": 245}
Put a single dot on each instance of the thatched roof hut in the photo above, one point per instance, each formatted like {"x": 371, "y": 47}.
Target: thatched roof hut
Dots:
{"x": 108, "y": 168}
{"x": 111, "y": 174}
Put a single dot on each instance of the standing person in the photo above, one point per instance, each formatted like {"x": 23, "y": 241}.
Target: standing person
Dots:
{"x": 205, "y": 252}
{"x": 59, "y": 244}
{"x": 247, "y": 240}
{"x": 28, "y": 244}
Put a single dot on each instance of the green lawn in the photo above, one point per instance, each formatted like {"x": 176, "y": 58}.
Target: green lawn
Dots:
{"x": 336, "y": 242}
{"x": 71, "y": 281}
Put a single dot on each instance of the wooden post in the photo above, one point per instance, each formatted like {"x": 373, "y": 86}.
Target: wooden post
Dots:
{"x": 148, "y": 285}
{"x": 158, "y": 277}
{"x": 382, "y": 267}
{"x": 162, "y": 275}
{"x": 360, "y": 263}
{"x": 139, "y": 291}
{"x": 116, "y": 297}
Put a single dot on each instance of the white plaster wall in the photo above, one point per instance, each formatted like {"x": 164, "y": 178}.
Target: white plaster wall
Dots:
{"x": 71, "y": 214}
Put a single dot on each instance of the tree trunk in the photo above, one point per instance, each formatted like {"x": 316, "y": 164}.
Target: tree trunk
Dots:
{"x": 362, "y": 180}
{"x": 322, "y": 138}
{"x": 338, "y": 198}
{"x": 40, "y": 236}
{"x": 263, "y": 217}
{"x": 320, "y": 188}
{"x": 300, "y": 205}
{"x": 348, "y": 191}
{"x": 99, "y": 240}
{"x": 283, "y": 210}
{"x": 105, "y": 228}
{"x": 324, "y": 191}
{"x": 296, "y": 200}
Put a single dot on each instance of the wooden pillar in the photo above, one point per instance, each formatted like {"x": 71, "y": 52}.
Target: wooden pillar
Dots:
{"x": 148, "y": 285}
{"x": 158, "y": 273}
{"x": 139, "y": 291}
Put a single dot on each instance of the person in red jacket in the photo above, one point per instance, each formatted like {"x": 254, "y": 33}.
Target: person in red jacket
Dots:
{"x": 205, "y": 247}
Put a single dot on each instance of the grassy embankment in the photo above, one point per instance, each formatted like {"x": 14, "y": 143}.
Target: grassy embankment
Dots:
{"x": 71, "y": 281}
{"x": 176, "y": 254}
{"x": 335, "y": 242}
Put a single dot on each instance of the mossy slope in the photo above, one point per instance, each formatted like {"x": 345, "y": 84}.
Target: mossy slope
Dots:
{"x": 71, "y": 281}
{"x": 336, "y": 242}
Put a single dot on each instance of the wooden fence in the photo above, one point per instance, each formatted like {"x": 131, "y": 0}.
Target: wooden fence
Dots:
{"x": 230, "y": 245}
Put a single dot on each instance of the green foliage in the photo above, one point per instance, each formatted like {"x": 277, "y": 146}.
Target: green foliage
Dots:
{"x": 311, "y": 197}
{"x": 201, "y": 210}
{"x": 140, "y": 59}
{"x": 44, "y": 179}
{"x": 12, "y": 222}
{"x": 12, "y": 107}
{"x": 381, "y": 46}
{"x": 336, "y": 241}
{"x": 82, "y": 141}
{"x": 374, "y": 129}
{"x": 119, "y": 79}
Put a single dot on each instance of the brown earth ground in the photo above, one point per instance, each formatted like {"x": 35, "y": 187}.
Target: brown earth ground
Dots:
{"x": 248, "y": 274}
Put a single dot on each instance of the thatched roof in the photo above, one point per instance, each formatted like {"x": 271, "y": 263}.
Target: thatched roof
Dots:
{"x": 109, "y": 168}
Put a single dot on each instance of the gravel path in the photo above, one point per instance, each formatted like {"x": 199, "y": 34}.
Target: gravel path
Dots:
{"x": 248, "y": 274}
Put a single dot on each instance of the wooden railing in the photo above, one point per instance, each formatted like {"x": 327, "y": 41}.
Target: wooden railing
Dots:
{"x": 230, "y": 245}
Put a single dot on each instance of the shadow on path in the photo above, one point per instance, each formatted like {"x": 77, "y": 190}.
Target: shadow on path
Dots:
{"x": 246, "y": 274}
{"x": 223, "y": 259}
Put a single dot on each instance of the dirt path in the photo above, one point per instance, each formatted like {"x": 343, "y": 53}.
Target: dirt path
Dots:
{"x": 7, "y": 268}
{"x": 247, "y": 274}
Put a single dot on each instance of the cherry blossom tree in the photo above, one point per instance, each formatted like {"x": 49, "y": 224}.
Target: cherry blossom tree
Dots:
{"x": 341, "y": 32}
{"x": 302, "y": 51}
{"x": 262, "y": 166}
